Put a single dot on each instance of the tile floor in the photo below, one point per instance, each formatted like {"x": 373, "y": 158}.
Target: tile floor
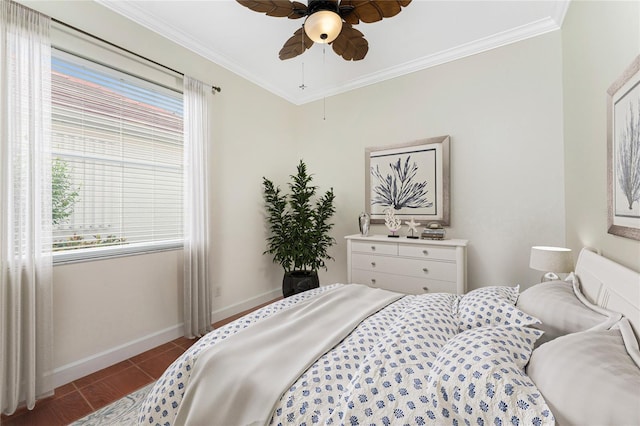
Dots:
{"x": 87, "y": 394}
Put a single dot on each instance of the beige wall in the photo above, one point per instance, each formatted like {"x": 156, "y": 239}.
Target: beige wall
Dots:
{"x": 103, "y": 308}
{"x": 599, "y": 41}
{"x": 503, "y": 111}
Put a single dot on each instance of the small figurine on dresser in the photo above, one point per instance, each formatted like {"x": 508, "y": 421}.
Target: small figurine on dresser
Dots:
{"x": 392, "y": 222}
{"x": 413, "y": 227}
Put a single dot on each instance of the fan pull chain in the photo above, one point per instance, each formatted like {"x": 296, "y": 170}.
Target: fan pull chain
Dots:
{"x": 302, "y": 86}
{"x": 324, "y": 108}
{"x": 324, "y": 98}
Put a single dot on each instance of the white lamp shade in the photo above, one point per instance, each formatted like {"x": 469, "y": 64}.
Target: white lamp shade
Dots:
{"x": 551, "y": 259}
{"x": 323, "y": 26}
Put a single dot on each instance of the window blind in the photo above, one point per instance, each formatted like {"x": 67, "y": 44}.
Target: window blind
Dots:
{"x": 117, "y": 144}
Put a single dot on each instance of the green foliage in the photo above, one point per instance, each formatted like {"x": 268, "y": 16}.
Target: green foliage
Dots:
{"x": 63, "y": 194}
{"x": 299, "y": 230}
{"x": 78, "y": 241}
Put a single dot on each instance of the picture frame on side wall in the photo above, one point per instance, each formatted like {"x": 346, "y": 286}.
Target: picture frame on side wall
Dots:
{"x": 410, "y": 178}
{"x": 623, "y": 154}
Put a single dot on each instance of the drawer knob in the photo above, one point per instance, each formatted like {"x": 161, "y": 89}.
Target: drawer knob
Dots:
{"x": 373, "y": 248}
{"x": 425, "y": 252}
{"x": 425, "y": 270}
{"x": 426, "y": 289}
{"x": 373, "y": 264}
{"x": 373, "y": 281}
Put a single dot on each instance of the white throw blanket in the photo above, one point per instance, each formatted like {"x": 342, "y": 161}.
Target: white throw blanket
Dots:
{"x": 228, "y": 387}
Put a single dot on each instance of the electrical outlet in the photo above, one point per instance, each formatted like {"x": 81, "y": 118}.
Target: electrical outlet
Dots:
{"x": 216, "y": 291}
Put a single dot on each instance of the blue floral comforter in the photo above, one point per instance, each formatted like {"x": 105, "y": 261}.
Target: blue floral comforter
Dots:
{"x": 435, "y": 359}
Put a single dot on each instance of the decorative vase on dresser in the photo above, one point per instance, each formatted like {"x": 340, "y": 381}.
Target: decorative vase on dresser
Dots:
{"x": 407, "y": 265}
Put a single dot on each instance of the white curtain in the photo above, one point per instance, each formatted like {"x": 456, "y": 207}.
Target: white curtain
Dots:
{"x": 197, "y": 288}
{"x": 25, "y": 207}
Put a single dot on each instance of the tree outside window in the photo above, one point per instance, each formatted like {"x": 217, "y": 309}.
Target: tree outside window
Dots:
{"x": 64, "y": 195}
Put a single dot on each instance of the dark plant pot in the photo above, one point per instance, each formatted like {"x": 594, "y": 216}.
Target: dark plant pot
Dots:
{"x": 299, "y": 281}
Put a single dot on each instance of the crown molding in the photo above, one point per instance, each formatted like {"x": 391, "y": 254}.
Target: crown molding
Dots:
{"x": 142, "y": 17}
{"x": 504, "y": 38}
{"x": 137, "y": 14}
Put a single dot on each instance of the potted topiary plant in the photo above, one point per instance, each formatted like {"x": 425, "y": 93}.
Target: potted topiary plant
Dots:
{"x": 299, "y": 230}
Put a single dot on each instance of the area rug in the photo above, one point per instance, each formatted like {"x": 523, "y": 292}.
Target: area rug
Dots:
{"x": 123, "y": 412}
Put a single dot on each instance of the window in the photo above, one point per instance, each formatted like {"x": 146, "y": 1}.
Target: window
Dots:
{"x": 117, "y": 144}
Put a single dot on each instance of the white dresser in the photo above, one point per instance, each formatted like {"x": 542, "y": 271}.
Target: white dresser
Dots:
{"x": 407, "y": 265}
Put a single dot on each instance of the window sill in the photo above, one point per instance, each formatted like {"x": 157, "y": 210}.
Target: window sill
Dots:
{"x": 101, "y": 253}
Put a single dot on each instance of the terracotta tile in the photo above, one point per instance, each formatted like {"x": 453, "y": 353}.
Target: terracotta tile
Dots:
{"x": 184, "y": 343}
{"x": 152, "y": 353}
{"x": 59, "y": 411}
{"x": 59, "y": 393}
{"x": 103, "y": 392}
{"x": 39, "y": 416}
{"x": 155, "y": 366}
{"x": 105, "y": 372}
{"x": 64, "y": 389}
{"x": 23, "y": 409}
{"x": 71, "y": 407}
{"x": 19, "y": 411}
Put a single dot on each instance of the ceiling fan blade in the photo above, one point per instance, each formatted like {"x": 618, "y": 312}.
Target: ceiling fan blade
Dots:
{"x": 294, "y": 46}
{"x": 371, "y": 10}
{"x": 350, "y": 44}
{"x": 277, "y": 8}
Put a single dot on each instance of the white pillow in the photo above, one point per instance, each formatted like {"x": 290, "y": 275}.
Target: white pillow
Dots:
{"x": 589, "y": 378}
{"x": 479, "y": 378}
{"x": 491, "y": 306}
{"x": 629, "y": 338}
{"x": 562, "y": 309}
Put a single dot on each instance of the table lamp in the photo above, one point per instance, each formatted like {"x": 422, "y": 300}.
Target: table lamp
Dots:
{"x": 553, "y": 260}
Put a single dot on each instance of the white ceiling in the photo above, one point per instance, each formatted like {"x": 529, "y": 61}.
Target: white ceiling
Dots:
{"x": 424, "y": 34}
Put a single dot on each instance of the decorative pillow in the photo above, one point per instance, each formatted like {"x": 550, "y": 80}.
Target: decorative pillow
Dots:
{"x": 589, "y": 377}
{"x": 561, "y": 310}
{"x": 490, "y": 306}
{"x": 478, "y": 378}
{"x": 630, "y": 342}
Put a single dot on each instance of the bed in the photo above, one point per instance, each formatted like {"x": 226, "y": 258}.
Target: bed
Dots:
{"x": 562, "y": 352}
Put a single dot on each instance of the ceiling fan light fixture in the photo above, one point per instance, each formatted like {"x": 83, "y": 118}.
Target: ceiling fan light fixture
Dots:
{"x": 323, "y": 26}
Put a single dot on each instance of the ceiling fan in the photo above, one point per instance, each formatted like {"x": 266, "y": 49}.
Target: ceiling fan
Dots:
{"x": 328, "y": 22}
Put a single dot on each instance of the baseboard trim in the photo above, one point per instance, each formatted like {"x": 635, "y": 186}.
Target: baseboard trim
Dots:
{"x": 83, "y": 367}
{"x": 220, "y": 314}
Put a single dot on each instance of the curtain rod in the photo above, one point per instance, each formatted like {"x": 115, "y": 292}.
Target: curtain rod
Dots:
{"x": 213, "y": 88}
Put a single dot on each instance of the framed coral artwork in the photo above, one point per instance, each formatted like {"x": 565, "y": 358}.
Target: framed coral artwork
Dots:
{"x": 623, "y": 153}
{"x": 412, "y": 179}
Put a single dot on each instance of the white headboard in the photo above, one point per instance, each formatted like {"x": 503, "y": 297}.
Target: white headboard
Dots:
{"x": 610, "y": 285}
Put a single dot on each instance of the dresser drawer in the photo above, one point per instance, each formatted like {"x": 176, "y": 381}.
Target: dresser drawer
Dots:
{"x": 444, "y": 271}
{"x": 375, "y": 247}
{"x": 402, "y": 284}
{"x": 431, "y": 252}
{"x": 407, "y": 265}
